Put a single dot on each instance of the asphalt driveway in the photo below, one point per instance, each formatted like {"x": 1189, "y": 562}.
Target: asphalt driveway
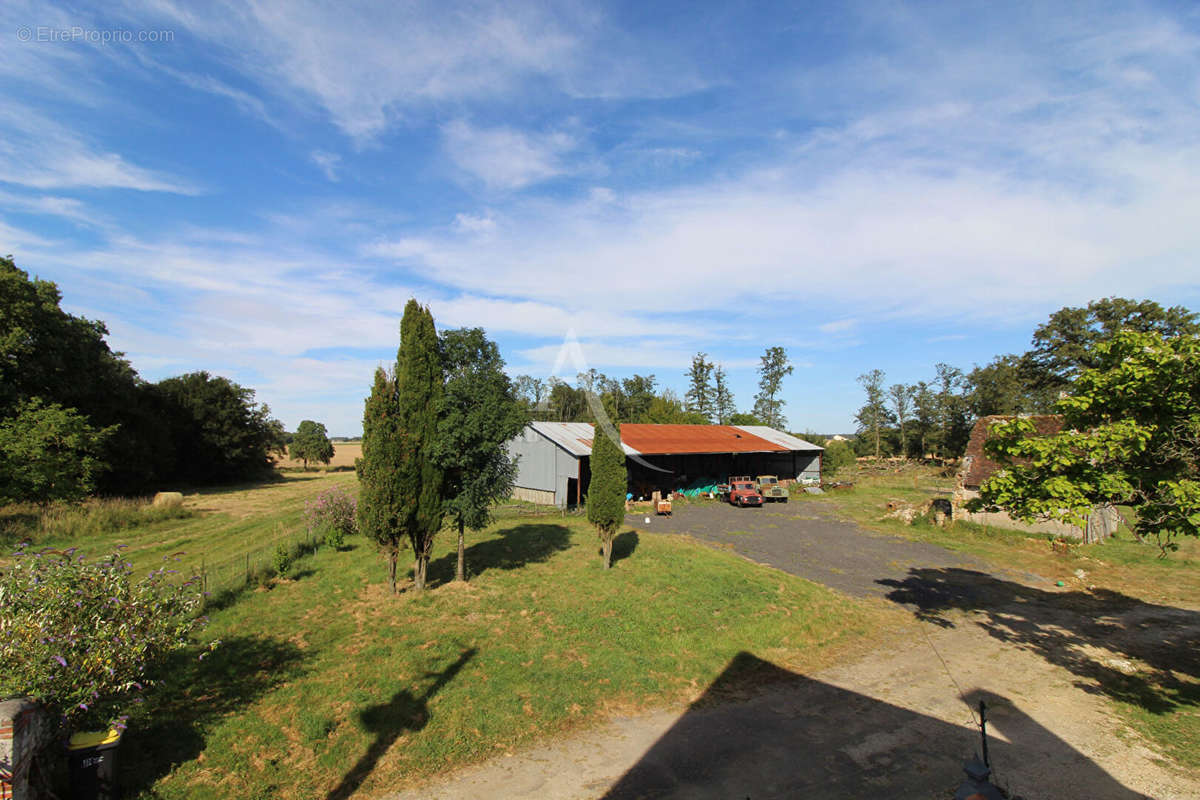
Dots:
{"x": 807, "y": 539}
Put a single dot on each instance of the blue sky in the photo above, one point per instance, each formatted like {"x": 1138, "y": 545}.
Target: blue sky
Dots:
{"x": 257, "y": 189}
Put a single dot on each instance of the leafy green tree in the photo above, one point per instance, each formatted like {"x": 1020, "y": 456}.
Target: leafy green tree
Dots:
{"x": 901, "y": 399}
{"x": 49, "y": 453}
{"x": 953, "y": 424}
{"x": 219, "y": 434}
{"x": 666, "y": 409}
{"x": 742, "y": 418}
{"x": 1131, "y": 436}
{"x": 700, "y": 395}
{"x": 1067, "y": 344}
{"x": 62, "y": 359}
{"x": 311, "y": 443}
{"x": 607, "y": 488}
{"x": 566, "y": 403}
{"x": 637, "y": 393}
{"x": 531, "y": 391}
{"x": 774, "y": 368}
{"x": 924, "y": 414}
{"x": 723, "y": 406}
{"x": 874, "y": 416}
{"x": 836, "y": 458}
{"x": 381, "y": 500}
{"x": 481, "y": 413}
{"x": 1004, "y": 386}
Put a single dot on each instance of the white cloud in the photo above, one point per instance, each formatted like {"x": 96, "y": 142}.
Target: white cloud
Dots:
{"x": 329, "y": 163}
{"x": 50, "y": 205}
{"x": 40, "y": 153}
{"x": 504, "y": 158}
{"x": 404, "y": 248}
{"x": 838, "y": 326}
{"x": 649, "y": 354}
{"x": 475, "y": 224}
{"x": 367, "y": 65}
{"x": 547, "y": 320}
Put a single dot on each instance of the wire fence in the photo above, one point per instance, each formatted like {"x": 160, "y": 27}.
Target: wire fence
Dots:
{"x": 255, "y": 564}
{"x": 258, "y": 563}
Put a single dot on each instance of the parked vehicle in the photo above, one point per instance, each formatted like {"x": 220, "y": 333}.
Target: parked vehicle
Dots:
{"x": 771, "y": 489}
{"x": 743, "y": 492}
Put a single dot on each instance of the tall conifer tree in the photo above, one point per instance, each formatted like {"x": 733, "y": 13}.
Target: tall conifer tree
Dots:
{"x": 419, "y": 402}
{"x": 382, "y": 454}
{"x": 607, "y": 488}
{"x": 401, "y": 479}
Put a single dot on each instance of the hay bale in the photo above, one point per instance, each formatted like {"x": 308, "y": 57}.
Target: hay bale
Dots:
{"x": 168, "y": 499}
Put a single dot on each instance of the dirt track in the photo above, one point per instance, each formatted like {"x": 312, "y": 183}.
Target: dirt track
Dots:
{"x": 899, "y": 721}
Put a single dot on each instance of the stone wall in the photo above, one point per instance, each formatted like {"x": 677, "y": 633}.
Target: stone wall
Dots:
{"x": 1102, "y": 522}
{"x": 24, "y": 730}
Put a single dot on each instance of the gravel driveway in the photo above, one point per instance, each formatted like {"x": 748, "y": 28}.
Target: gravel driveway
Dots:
{"x": 806, "y": 539}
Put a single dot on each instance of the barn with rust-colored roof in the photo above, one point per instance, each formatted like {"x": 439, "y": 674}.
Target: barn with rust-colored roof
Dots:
{"x": 552, "y": 466}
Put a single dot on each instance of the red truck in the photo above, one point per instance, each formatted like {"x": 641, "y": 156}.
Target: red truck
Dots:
{"x": 743, "y": 492}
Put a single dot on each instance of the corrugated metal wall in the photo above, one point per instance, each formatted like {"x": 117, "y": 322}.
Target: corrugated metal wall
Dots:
{"x": 543, "y": 465}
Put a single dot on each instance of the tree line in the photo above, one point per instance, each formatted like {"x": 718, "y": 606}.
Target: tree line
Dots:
{"x": 639, "y": 399}
{"x": 935, "y": 417}
{"x": 76, "y": 418}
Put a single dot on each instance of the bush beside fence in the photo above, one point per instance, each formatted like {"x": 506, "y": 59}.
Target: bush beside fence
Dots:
{"x": 255, "y": 565}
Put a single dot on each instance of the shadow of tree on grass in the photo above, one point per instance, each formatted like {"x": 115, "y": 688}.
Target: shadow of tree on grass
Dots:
{"x": 511, "y": 548}
{"x": 404, "y": 712}
{"x": 171, "y": 727}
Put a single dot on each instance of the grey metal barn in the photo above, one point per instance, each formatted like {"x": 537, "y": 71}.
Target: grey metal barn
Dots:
{"x": 553, "y": 457}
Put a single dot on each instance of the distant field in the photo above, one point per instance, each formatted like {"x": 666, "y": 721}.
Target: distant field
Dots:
{"x": 344, "y": 454}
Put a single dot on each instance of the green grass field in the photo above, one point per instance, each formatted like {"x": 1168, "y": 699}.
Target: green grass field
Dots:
{"x": 327, "y": 685}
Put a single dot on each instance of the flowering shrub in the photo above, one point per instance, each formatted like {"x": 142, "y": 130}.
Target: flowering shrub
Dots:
{"x": 332, "y": 515}
{"x": 78, "y": 636}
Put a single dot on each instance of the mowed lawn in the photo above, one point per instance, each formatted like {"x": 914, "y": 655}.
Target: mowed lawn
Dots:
{"x": 326, "y": 685}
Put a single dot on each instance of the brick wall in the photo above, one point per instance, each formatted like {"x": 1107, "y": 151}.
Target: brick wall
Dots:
{"x": 24, "y": 730}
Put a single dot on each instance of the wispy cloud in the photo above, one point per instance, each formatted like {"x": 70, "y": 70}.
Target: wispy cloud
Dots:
{"x": 37, "y": 152}
{"x": 328, "y": 163}
{"x": 504, "y": 158}
{"x": 368, "y": 66}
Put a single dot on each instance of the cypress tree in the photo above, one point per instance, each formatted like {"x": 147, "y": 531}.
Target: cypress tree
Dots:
{"x": 382, "y": 456}
{"x": 608, "y": 485}
{"x": 400, "y": 480}
{"x": 419, "y": 402}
